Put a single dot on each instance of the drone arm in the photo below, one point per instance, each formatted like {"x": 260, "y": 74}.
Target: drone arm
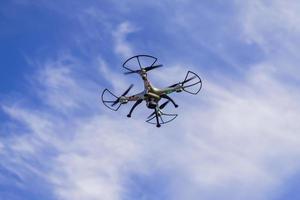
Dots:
{"x": 173, "y": 88}
{"x": 136, "y": 97}
{"x": 165, "y": 96}
{"x": 134, "y": 106}
{"x": 157, "y": 120}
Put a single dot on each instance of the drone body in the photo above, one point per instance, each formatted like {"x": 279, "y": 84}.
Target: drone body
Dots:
{"x": 150, "y": 94}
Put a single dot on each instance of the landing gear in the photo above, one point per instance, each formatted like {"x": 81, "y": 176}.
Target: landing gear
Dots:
{"x": 134, "y": 106}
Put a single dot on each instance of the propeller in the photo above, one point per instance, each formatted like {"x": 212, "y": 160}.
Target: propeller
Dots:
{"x": 183, "y": 82}
{"x": 152, "y": 67}
{"x": 160, "y": 107}
{"x": 146, "y": 69}
{"x": 124, "y": 94}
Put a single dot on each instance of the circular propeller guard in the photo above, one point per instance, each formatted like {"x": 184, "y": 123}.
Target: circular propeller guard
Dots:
{"x": 140, "y": 62}
{"x": 192, "y": 83}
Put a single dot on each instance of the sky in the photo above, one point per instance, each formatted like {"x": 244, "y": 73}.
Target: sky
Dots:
{"x": 239, "y": 138}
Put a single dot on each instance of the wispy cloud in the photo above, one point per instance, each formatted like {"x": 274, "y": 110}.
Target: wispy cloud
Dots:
{"x": 122, "y": 47}
{"x": 238, "y": 137}
{"x": 274, "y": 28}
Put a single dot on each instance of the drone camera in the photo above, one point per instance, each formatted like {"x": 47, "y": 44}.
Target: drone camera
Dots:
{"x": 151, "y": 103}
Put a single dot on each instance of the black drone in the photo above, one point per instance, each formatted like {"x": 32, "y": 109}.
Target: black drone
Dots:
{"x": 141, "y": 64}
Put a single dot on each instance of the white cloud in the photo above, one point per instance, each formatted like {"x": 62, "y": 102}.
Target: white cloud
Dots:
{"x": 122, "y": 46}
{"x": 93, "y": 152}
{"x": 239, "y": 138}
{"x": 1, "y": 147}
{"x": 93, "y": 164}
{"x": 242, "y": 135}
{"x": 117, "y": 80}
{"x": 270, "y": 23}
{"x": 274, "y": 26}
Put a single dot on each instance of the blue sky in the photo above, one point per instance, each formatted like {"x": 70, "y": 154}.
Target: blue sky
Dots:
{"x": 237, "y": 139}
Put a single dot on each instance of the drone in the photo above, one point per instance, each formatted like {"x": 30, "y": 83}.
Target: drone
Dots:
{"x": 141, "y": 65}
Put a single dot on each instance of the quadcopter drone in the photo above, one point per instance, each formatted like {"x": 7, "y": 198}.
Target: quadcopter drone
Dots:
{"x": 141, "y": 64}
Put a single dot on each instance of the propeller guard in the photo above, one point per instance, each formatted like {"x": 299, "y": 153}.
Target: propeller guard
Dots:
{"x": 137, "y": 61}
{"x": 196, "y": 83}
{"x": 108, "y": 98}
{"x": 168, "y": 118}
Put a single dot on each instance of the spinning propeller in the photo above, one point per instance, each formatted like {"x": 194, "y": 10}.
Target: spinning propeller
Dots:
{"x": 187, "y": 83}
{"x": 120, "y": 98}
{"x": 110, "y": 100}
{"x": 146, "y": 69}
{"x": 140, "y": 63}
{"x": 183, "y": 82}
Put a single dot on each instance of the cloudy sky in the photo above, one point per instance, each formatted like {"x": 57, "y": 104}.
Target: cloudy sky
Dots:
{"x": 239, "y": 138}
